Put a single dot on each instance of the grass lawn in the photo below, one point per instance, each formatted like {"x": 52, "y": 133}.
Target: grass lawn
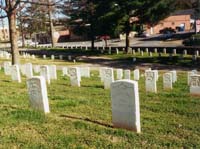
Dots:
{"x": 81, "y": 117}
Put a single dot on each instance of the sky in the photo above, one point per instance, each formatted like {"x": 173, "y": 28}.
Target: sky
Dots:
{"x": 2, "y": 13}
{"x": 4, "y": 22}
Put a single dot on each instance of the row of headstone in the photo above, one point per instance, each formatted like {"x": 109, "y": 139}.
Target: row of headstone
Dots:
{"x": 27, "y": 55}
{"x": 75, "y": 74}
{"x": 164, "y": 51}
{"x": 151, "y": 78}
{"x": 47, "y": 71}
{"x": 69, "y": 57}
{"x": 127, "y": 74}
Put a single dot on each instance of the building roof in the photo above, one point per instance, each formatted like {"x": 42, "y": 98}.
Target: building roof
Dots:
{"x": 184, "y": 12}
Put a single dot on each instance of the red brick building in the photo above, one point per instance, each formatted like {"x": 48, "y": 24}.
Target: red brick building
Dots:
{"x": 182, "y": 18}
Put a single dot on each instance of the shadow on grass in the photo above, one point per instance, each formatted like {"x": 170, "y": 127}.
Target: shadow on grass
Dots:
{"x": 64, "y": 52}
{"x": 156, "y": 62}
{"x": 6, "y": 81}
{"x": 92, "y": 86}
{"x": 120, "y": 61}
{"x": 87, "y": 120}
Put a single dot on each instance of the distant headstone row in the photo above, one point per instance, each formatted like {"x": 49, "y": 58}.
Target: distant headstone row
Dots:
{"x": 49, "y": 72}
{"x": 26, "y": 55}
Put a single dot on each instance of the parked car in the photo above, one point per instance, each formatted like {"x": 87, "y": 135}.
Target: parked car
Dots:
{"x": 142, "y": 34}
{"x": 103, "y": 37}
{"x": 167, "y": 30}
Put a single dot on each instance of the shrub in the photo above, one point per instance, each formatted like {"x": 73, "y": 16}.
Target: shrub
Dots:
{"x": 192, "y": 41}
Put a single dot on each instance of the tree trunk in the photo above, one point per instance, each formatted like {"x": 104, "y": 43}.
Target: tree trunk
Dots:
{"x": 53, "y": 42}
{"x": 127, "y": 35}
{"x": 23, "y": 39}
{"x": 92, "y": 42}
{"x": 92, "y": 36}
{"x": 35, "y": 40}
{"x": 106, "y": 43}
{"x": 127, "y": 42}
{"x": 13, "y": 38}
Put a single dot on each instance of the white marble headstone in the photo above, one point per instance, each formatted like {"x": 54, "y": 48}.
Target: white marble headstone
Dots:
{"x": 44, "y": 71}
{"x": 195, "y": 71}
{"x": 69, "y": 57}
{"x": 52, "y": 57}
{"x": 85, "y": 72}
{"x": 142, "y": 53}
{"x": 38, "y": 93}
{"x": 28, "y": 70}
{"x": 61, "y": 57}
{"x": 155, "y": 50}
{"x": 174, "y": 51}
{"x": 36, "y": 68}
{"x": 127, "y": 74}
{"x": 64, "y": 71}
{"x": 185, "y": 52}
{"x": 136, "y": 74}
{"x": 7, "y": 66}
{"x": 146, "y": 50}
{"x": 101, "y": 73}
{"x": 157, "y": 75}
{"x": 150, "y": 81}
{"x": 195, "y": 84}
{"x": 33, "y": 56}
{"x": 174, "y": 76}
{"x": 74, "y": 74}
{"x": 119, "y": 74}
{"x": 15, "y": 73}
{"x": 125, "y": 105}
{"x": 22, "y": 69}
{"x": 108, "y": 78}
{"x": 189, "y": 74}
{"x": 164, "y": 50}
{"x": 167, "y": 81}
{"x": 53, "y": 72}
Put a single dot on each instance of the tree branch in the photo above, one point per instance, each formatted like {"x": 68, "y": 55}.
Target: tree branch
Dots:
{"x": 2, "y": 17}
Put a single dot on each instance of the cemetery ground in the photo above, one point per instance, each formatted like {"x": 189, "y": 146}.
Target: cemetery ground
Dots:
{"x": 82, "y": 118}
{"x": 121, "y": 60}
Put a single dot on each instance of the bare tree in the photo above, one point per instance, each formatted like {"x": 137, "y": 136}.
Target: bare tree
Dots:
{"x": 10, "y": 8}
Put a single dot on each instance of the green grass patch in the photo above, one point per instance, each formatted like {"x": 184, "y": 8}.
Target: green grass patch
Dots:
{"x": 80, "y": 117}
